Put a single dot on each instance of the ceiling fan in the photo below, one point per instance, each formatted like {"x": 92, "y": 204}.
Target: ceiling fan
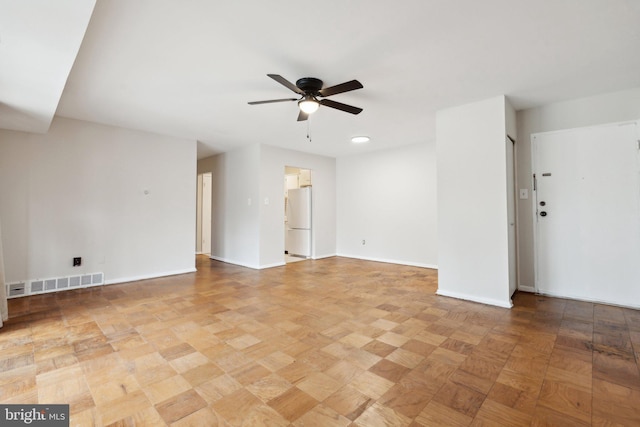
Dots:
{"x": 310, "y": 89}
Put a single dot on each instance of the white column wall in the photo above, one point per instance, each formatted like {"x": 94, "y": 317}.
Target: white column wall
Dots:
{"x": 473, "y": 261}
{"x": 235, "y": 201}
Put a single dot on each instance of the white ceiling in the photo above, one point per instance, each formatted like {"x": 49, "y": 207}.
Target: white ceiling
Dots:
{"x": 188, "y": 68}
{"x": 36, "y": 54}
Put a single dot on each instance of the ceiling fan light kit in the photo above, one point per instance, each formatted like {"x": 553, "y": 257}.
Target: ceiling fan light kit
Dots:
{"x": 310, "y": 89}
{"x": 308, "y": 104}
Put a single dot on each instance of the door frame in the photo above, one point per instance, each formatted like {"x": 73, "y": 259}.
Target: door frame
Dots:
{"x": 203, "y": 212}
{"x": 288, "y": 172}
{"x": 207, "y": 181}
{"x": 512, "y": 175}
{"x": 534, "y": 210}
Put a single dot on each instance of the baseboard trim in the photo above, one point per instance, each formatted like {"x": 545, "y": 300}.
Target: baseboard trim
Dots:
{"x": 529, "y": 289}
{"x": 149, "y": 276}
{"x": 318, "y": 257}
{"x": 251, "y": 266}
{"x": 275, "y": 264}
{"x": 467, "y": 297}
{"x": 323, "y": 256}
{"x": 229, "y": 261}
{"x": 389, "y": 261}
{"x": 592, "y": 300}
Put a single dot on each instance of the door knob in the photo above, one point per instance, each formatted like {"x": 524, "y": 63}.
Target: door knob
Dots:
{"x": 543, "y": 203}
{"x": 543, "y": 213}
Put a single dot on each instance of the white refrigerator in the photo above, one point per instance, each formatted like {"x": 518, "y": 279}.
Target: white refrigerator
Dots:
{"x": 298, "y": 211}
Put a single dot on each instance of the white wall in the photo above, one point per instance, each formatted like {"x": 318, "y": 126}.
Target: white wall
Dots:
{"x": 79, "y": 190}
{"x": 253, "y": 236}
{"x": 235, "y": 201}
{"x": 323, "y": 202}
{"x": 472, "y": 202}
{"x": 511, "y": 152}
{"x": 388, "y": 199}
{"x": 4, "y": 312}
{"x": 594, "y": 110}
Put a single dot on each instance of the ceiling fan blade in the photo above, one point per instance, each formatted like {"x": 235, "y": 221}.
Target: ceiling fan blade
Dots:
{"x": 343, "y": 87}
{"x": 340, "y": 106}
{"x": 302, "y": 116}
{"x": 271, "y": 101}
{"x": 286, "y": 83}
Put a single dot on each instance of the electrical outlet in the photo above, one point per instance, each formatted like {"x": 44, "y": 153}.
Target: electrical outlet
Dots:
{"x": 77, "y": 261}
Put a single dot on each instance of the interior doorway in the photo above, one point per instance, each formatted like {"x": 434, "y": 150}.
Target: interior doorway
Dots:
{"x": 203, "y": 214}
{"x": 298, "y": 224}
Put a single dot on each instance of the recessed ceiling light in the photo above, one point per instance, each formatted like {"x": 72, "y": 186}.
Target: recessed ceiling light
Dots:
{"x": 360, "y": 139}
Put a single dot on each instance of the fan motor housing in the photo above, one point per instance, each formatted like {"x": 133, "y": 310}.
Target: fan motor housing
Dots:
{"x": 309, "y": 84}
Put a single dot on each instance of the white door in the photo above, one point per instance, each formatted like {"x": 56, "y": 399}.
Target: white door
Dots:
{"x": 199, "y": 216}
{"x": 587, "y": 213}
{"x": 206, "y": 213}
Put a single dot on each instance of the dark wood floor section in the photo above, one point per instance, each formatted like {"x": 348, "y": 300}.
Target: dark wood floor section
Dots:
{"x": 333, "y": 342}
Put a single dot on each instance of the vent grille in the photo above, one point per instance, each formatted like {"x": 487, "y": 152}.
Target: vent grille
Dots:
{"x": 16, "y": 289}
{"x": 38, "y": 286}
{"x": 96, "y": 279}
{"x": 50, "y": 285}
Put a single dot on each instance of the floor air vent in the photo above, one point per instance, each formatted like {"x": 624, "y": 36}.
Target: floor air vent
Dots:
{"x": 41, "y": 286}
{"x": 17, "y": 289}
{"x": 97, "y": 279}
{"x": 37, "y": 286}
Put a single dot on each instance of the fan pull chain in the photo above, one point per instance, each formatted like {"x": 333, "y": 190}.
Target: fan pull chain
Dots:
{"x": 308, "y": 129}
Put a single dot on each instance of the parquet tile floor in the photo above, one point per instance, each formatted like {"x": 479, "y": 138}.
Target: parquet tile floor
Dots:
{"x": 332, "y": 342}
